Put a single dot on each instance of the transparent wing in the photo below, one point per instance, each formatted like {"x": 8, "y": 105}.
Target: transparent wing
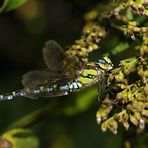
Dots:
{"x": 36, "y": 78}
{"x": 61, "y": 68}
{"x": 33, "y": 78}
{"x": 53, "y": 55}
{"x": 57, "y": 60}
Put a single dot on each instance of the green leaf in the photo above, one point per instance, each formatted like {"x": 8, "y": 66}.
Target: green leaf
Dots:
{"x": 83, "y": 101}
{"x": 7, "y": 5}
{"x": 129, "y": 13}
{"x": 28, "y": 119}
{"x": 122, "y": 46}
{"x": 20, "y": 138}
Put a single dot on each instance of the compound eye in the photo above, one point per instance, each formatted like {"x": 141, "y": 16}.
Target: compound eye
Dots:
{"x": 102, "y": 61}
{"x": 105, "y": 63}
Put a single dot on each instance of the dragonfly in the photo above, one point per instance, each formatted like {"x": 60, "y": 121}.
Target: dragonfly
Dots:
{"x": 64, "y": 74}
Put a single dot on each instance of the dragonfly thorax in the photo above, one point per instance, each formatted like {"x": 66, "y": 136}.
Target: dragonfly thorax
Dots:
{"x": 94, "y": 71}
{"x": 90, "y": 74}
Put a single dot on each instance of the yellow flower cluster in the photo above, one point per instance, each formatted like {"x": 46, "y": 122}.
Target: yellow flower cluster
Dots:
{"x": 126, "y": 101}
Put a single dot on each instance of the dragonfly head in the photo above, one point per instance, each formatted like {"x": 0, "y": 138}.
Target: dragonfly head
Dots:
{"x": 105, "y": 64}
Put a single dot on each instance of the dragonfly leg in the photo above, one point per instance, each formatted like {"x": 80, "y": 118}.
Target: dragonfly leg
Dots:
{"x": 101, "y": 89}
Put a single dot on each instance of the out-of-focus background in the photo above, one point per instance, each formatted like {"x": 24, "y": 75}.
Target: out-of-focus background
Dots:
{"x": 23, "y": 33}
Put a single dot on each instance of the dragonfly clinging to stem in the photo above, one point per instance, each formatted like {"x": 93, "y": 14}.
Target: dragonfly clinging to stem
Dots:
{"x": 65, "y": 74}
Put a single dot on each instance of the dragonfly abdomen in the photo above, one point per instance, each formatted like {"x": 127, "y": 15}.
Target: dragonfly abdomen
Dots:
{"x": 10, "y": 96}
{"x": 44, "y": 91}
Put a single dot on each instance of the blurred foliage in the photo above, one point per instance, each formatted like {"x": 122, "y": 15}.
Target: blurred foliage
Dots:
{"x": 18, "y": 138}
{"x": 7, "y": 5}
{"x": 119, "y": 30}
